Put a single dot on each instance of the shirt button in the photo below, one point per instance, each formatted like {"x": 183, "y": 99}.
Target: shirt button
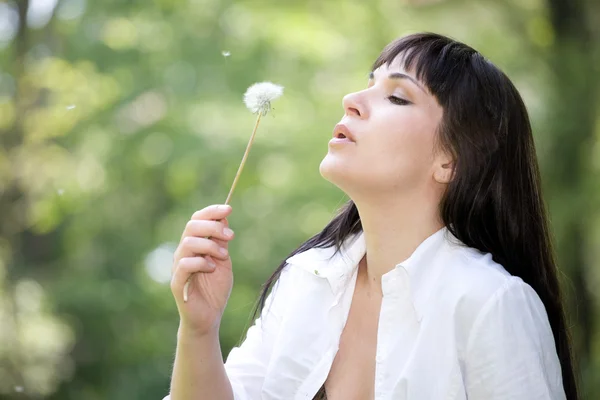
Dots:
{"x": 337, "y": 300}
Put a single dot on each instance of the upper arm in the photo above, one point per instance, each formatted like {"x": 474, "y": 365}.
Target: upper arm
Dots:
{"x": 511, "y": 352}
{"x": 246, "y": 364}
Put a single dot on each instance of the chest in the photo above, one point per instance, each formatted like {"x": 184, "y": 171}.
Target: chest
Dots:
{"x": 352, "y": 374}
{"x": 357, "y": 349}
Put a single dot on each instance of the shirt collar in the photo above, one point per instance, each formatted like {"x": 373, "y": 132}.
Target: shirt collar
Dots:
{"x": 338, "y": 267}
{"x": 422, "y": 267}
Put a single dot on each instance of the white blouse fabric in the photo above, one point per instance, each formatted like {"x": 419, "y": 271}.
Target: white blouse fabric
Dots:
{"x": 453, "y": 324}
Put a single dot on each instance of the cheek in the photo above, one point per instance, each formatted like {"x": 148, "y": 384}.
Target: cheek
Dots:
{"x": 404, "y": 150}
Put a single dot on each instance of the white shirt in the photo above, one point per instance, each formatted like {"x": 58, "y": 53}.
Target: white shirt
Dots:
{"x": 453, "y": 324}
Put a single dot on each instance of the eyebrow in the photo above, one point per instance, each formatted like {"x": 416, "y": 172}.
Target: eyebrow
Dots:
{"x": 399, "y": 75}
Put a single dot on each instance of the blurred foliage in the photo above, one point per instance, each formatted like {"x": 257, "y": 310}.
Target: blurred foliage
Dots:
{"x": 119, "y": 119}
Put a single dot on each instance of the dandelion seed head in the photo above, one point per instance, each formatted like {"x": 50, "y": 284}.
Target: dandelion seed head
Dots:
{"x": 258, "y": 97}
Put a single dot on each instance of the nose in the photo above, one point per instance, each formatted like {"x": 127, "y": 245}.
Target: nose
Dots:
{"x": 353, "y": 106}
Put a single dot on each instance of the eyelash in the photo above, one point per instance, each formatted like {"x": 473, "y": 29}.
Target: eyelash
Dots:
{"x": 398, "y": 101}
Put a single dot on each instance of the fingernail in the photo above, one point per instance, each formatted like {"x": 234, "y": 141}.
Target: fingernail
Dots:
{"x": 211, "y": 263}
{"x": 223, "y": 251}
{"x": 228, "y": 232}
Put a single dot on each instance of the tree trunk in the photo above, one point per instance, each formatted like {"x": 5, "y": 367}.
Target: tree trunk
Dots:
{"x": 573, "y": 105}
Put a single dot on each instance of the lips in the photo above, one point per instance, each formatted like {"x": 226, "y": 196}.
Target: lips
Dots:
{"x": 341, "y": 131}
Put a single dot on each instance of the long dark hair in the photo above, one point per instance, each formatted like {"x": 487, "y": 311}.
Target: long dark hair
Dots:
{"x": 494, "y": 201}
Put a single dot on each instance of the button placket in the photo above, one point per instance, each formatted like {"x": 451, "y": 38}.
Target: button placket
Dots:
{"x": 395, "y": 302}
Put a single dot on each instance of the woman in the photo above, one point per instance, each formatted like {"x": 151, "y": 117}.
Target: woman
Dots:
{"x": 435, "y": 281}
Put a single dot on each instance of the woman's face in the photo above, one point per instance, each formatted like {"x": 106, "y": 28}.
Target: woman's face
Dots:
{"x": 393, "y": 124}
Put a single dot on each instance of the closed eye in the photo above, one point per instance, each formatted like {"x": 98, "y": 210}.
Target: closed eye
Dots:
{"x": 399, "y": 101}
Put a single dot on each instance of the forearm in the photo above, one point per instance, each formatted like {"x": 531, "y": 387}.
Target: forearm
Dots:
{"x": 198, "y": 371}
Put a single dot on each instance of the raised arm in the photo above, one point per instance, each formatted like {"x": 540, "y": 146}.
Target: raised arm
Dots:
{"x": 199, "y": 372}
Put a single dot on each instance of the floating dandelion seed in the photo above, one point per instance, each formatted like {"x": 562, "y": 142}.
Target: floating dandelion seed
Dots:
{"x": 70, "y": 107}
{"x": 60, "y": 192}
{"x": 258, "y": 98}
{"x": 226, "y": 53}
{"x": 19, "y": 389}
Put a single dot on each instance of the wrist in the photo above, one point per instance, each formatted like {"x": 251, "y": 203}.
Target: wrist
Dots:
{"x": 188, "y": 332}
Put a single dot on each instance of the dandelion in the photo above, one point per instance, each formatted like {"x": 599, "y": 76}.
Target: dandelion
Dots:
{"x": 258, "y": 98}
{"x": 226, "y": 53}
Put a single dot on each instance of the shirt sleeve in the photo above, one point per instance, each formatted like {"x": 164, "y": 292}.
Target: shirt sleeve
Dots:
{"x": 511, "y": 352}
{"x": 247, "y": 363}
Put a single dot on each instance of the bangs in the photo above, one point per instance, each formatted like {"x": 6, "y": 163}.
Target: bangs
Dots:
{"x": 437, "y": 61}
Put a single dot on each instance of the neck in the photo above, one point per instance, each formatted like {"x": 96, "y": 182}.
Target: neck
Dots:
{"x": 392, "y": 233}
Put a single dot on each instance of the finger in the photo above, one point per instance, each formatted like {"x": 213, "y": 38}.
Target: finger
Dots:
{"x": 221, "y": 242}
{"x": 207, "y": 228}
{"x": 186, "y": 267}
{"x": 191, "y": 246}
{"x": 209, "y": 259}
{"x": 213, "y": 212}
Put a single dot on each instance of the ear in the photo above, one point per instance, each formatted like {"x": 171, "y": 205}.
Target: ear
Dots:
{"x": 444, "y": 169}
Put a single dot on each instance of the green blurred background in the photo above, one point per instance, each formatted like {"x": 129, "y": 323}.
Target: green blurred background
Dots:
{"x": 119, "y": 119}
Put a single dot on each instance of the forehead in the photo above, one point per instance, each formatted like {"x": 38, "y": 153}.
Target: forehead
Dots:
{"x": 397, "y": 65}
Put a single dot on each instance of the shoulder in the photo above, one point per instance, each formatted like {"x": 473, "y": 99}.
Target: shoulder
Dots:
{"x": 471, "y": 275}
{"x": 482, "y": 288}
{"x": 506, "y": 341}
{"x": 475, "y": 267}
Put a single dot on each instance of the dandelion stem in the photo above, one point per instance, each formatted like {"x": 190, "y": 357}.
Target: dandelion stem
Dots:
{"x": 237, "y": 176}
{"x": 239, "y": 172}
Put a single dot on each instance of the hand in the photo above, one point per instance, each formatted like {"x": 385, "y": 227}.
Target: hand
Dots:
{"x": 199, "y": 257}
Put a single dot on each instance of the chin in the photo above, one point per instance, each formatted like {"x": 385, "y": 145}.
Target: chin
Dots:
{"x": 329, "y": 167}
{"x": 336, "y": 171}
{"x": 355, "y": 181}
